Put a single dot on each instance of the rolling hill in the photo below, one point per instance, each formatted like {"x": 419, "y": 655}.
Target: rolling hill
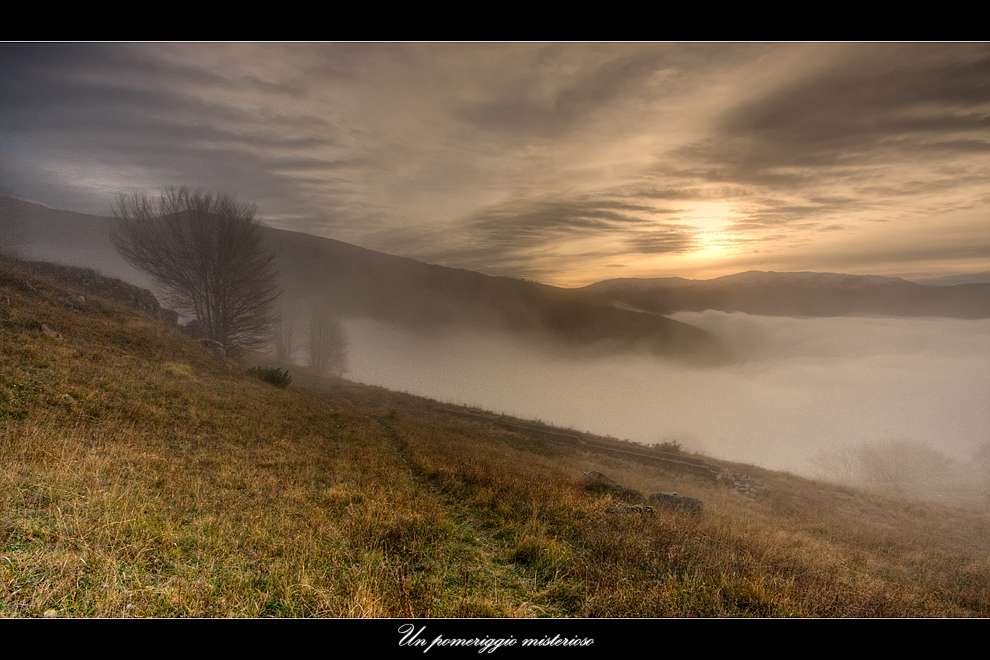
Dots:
{"x": 355, "y": 282}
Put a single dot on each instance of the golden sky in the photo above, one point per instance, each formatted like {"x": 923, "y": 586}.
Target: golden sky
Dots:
{"x": 561, "y": 163}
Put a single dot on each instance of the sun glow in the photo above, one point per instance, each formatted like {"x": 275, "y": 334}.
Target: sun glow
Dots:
{"x": 709, "y": 219}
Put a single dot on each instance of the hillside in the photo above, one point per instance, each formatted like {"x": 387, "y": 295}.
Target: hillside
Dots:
{"x": 355, "y": 282}
{"x": 142, "y": 475}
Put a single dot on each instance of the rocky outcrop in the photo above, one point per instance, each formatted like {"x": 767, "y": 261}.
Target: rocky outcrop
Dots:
{"x": 597, "y": 482}
{"x": 632, "y": 509}
{"x": 108, "y": 287}
{"x": 689, "y": 505}
{"x": 739, "y": 481}
{"x": 57, "y": 336}
{"x": 214, "y": 346}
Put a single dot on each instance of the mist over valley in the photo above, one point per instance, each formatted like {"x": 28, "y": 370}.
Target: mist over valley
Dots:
{"x": 797, "y": 385}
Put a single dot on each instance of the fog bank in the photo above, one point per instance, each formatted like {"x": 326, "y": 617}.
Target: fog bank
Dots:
{"x": 801, "y": 384}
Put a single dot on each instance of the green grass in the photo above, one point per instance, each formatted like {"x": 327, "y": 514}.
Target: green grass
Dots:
{"x": 177, "y": 484}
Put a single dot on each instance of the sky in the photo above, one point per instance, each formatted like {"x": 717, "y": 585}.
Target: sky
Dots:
{"x": 564, "y": 163}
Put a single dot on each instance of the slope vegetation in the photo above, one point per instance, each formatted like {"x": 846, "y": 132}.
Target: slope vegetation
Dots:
{"x": 141, "y": 475}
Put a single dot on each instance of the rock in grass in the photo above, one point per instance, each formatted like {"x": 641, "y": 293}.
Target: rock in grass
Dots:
{"x": 690, "y": 505}
{"x": 631, "y": 509}
{"x": 51, "y": 333}
{"x": 596, "y": 482}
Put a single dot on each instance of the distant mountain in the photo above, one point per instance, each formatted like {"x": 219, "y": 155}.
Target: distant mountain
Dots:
{"x": 798, "y": 294}
{"x": 355, "y": 282}
{"x": 642, "y": 284}
{"x": 948, "y": 280}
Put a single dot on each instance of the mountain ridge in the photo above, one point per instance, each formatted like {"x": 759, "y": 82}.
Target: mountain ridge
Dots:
{"x": 798, "y": 294}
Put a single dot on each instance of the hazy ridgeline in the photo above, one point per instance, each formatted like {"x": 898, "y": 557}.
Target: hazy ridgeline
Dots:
{"x": 799, "y": 385}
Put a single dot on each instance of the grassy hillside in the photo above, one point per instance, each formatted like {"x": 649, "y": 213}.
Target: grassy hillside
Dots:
{"x": 141, "y": 475}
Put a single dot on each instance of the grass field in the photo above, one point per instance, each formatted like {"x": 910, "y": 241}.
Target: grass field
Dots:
{"x": 142, "y": 475}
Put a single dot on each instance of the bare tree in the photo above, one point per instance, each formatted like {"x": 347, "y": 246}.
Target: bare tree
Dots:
{"x": 896, "y": 466}
{"x": 11, "y": 226}
{"x": 902, "y": 465}
{"x": 981, "y": 461}
{"x": 284, "y": 336}
{"x": 207, "y": 255}
{"x": 838, "y": 464}
{"x": 327, "y": 344}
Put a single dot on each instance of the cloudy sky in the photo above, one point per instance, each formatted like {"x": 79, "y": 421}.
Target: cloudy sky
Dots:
{"x": 562, "y": 163}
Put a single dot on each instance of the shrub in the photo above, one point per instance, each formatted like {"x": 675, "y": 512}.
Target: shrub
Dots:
{"x": 272, "y": 376}
{"x": 669, "y": 446}
{"x": 895, "y": 466}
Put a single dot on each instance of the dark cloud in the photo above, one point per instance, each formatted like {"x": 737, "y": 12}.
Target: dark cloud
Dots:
{"x": 653, "y": 192}
{"x": 772, "y": 213}
{"x": 525, "y": 107}
{"x": 566, "y": 83}
{"x": 53, "y": 101}
{"x": 666, "y": 240}
{"x": 543, "y": 220}
{"x": 945, "y": 182}
{"x": 879, "y": 99}
{"x": 69, "y": 82}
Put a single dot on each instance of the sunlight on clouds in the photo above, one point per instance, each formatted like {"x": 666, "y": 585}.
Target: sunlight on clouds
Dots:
{"x": 534, "y": 159}
{"x": 709, "y": 215}
{"x": 710, "y": 219}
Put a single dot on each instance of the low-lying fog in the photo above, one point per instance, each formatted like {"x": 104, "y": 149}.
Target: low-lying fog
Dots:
{"x": 802, "y": 384}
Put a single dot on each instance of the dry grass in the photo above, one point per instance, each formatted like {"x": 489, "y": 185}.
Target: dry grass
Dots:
{"x": 175, "y": 484}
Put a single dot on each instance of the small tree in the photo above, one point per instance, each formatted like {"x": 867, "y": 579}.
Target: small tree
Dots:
{"x": 897, "y": 466}
{"x": 981, "y": 460}
{"x": 327, "y": 344}
{"x": 902, "y": 465}
{"x": 207, "y": 255}
{"x": 11, "y": 226}
{"x": 284, "y": 336}
{"x": 839, "y": 464}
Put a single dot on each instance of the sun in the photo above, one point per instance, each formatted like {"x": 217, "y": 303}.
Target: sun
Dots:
{"x": 709, "y": 220}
